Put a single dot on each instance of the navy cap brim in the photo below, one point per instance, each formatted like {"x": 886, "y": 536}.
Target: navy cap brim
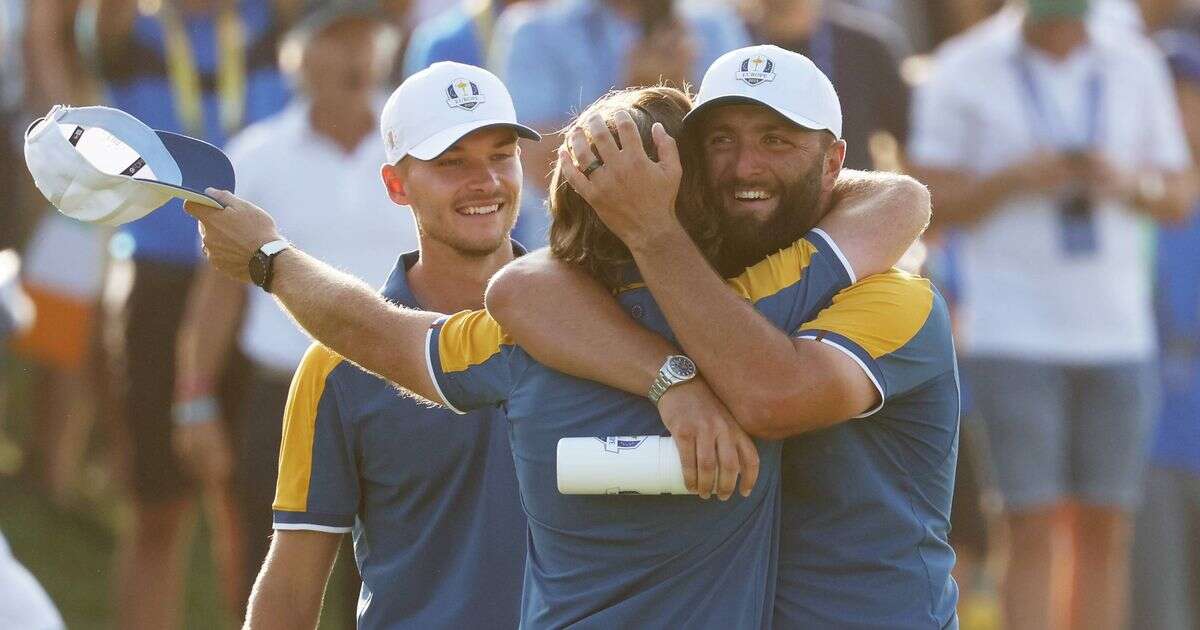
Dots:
{"x": 201, "y": 166}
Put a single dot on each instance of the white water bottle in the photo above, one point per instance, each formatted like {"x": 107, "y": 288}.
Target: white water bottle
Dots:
{"x": 639, "y": 464}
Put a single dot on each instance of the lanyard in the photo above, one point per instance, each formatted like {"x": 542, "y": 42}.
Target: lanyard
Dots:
{"x": 185, "y": 78}
{"x": 1048, "y": 120}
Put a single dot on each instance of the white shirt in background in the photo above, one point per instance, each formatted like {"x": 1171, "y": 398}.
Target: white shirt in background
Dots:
{"x": 331, "y": 204}
{"x": 1023, "y": 297}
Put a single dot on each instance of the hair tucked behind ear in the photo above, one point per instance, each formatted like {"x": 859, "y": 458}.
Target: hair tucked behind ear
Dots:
{"x": 578, "y": 236}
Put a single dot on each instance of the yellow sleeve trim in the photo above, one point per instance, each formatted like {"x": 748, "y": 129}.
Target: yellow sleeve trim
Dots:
{"x": 880, "y": 313}
{"x": 299, "y": 427}
{"x": 774, "y": 273}
{"x": 469, "y": 338}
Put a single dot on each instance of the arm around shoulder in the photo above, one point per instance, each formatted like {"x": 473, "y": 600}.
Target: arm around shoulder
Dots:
{"x": 570, "y": 322}
{"x": 875, "y": 217}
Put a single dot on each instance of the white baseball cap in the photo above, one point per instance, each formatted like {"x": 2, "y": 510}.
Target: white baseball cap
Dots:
{"x": 437, "y": 106}
{"x": 786, "y": 81}
{"x": 102, "y": 165}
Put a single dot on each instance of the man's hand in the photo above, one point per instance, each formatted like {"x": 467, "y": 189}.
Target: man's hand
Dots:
{"x": 231, "y": 235}
{"x": 1045, "y": 172}
{"x": 712, "y": 447}
{"x": 632, "y": 194}
{"x": 204, "y": 450}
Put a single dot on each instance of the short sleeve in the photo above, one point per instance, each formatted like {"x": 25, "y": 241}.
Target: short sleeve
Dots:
{"x": 525, "y": 59}
{"x": 468, "y": 358}
{"x": 939, "y": 135}
{"x": 895, "y": 326}
{"x": 1163, "y": 119}
{"x": 317, "y": 488}
{"x": 789, "y": 286}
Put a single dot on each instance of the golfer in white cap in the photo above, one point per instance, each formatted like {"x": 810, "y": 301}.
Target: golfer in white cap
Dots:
{"x": 431, "y": 500}
{"x": 868, "y": 387}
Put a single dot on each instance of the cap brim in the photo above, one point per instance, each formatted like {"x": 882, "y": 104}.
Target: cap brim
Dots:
{"x": 434, "y": 145}
{"x": 201, "y": 166}
{"x": 738, "y": 99}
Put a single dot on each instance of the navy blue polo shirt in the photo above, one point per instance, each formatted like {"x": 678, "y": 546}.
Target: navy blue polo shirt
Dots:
{"x": 439, "y": 533}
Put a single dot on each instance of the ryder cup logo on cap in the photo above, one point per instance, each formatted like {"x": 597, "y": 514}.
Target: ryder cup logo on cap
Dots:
{"x": 463, "y": 93}
{"x": 755, "y": 70}
{"x": 101, "y": 165}
{"x": 437, "y": 106}
{"x": 787, "y": 82}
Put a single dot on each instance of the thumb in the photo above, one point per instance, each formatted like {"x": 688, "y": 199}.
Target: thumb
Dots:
{"x": 202, "y": 211}
{"x": 668, "y": 151}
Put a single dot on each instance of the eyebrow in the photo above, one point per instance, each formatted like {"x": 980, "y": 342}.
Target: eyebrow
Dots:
{"x": 499, "y": 143}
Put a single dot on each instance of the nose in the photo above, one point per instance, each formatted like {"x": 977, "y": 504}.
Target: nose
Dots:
{"x": 484, "y": 178}
{"x": 748, "y": 163}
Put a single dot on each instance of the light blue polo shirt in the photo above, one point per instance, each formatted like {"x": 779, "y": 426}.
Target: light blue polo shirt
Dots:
{"x": 557, "y": 58}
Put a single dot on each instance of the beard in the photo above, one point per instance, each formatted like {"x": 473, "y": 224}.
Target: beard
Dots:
{"x": 746, "y": 241}
{"x": 474, "y": 248}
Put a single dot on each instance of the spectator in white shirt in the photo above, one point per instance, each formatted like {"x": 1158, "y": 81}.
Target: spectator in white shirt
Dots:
{"x": 317, "y": 162}
{"x": 1054, "y": 145}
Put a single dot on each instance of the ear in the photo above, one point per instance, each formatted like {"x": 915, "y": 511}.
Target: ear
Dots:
{"x": 835, "y": 156}
{"x": 393, "y": 181}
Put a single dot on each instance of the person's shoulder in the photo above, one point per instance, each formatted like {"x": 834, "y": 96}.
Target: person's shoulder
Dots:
{"x": 1122, "y": 47}
{"x": 867, "y": 29}
{"x": 908, "y": 302}
{"x": 262, "y": 138}
{"x": 537, "y": 16}
{"x": 708, "y": 11}
{"x": 985, "y": 42}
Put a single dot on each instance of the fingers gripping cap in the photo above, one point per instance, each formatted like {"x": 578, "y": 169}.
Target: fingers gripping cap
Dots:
{"x": 787, "y": 82}
{"x": 102, "y": 165}
{"x": 437, "y": 106}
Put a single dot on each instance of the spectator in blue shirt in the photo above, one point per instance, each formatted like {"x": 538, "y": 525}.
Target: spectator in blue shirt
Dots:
{"x": 1166, "y": 561}
{"x": 462, "y": 33}
{"x": 558, "y": 57}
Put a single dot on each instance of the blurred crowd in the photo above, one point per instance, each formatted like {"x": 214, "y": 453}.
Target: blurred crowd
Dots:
{"x": 1064, "y": 232}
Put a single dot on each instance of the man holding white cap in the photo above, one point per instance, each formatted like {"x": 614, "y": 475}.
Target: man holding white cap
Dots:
{"x": 432, "y": 502}
{"x": 868, "y": 388}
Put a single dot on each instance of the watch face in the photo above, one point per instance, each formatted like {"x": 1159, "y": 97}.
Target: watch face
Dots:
{"x": 258, "y": 268}
{"x": 681, "y": 367}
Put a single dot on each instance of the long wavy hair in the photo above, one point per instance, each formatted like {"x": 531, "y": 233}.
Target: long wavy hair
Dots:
{"x": 579, "y": 237}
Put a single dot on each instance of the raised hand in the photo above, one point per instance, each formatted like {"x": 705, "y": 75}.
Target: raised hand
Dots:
{"x": 631, "y": 193}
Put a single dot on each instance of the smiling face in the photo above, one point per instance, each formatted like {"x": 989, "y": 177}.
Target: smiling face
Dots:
{"x": 467, "y": 198}
{"x": 767, "y": 175}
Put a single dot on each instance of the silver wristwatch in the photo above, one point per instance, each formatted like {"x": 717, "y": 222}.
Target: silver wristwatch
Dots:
{"x": 677, "y": 369}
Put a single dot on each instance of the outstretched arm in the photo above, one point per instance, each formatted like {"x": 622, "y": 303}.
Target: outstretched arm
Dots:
{"x": 335, "y": 308}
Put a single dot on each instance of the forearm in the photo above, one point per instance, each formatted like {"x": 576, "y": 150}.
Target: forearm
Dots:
{"x": 747, "y": 360}
{"x": 347, "y": 316}
{"x": 290, "y": 589}
{"x": 214, "y": 308}
{"x": 962, "y": 199}
{"x": 539, "y": 302}
{"x": 1168, "y": 197}
{"x": 875, "y": 217}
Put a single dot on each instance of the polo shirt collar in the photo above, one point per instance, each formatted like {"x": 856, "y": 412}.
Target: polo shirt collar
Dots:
{"x": 396, "y": 289}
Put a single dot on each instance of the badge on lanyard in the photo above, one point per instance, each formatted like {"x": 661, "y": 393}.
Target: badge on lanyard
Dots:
{"x": 1077, "y": 226}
